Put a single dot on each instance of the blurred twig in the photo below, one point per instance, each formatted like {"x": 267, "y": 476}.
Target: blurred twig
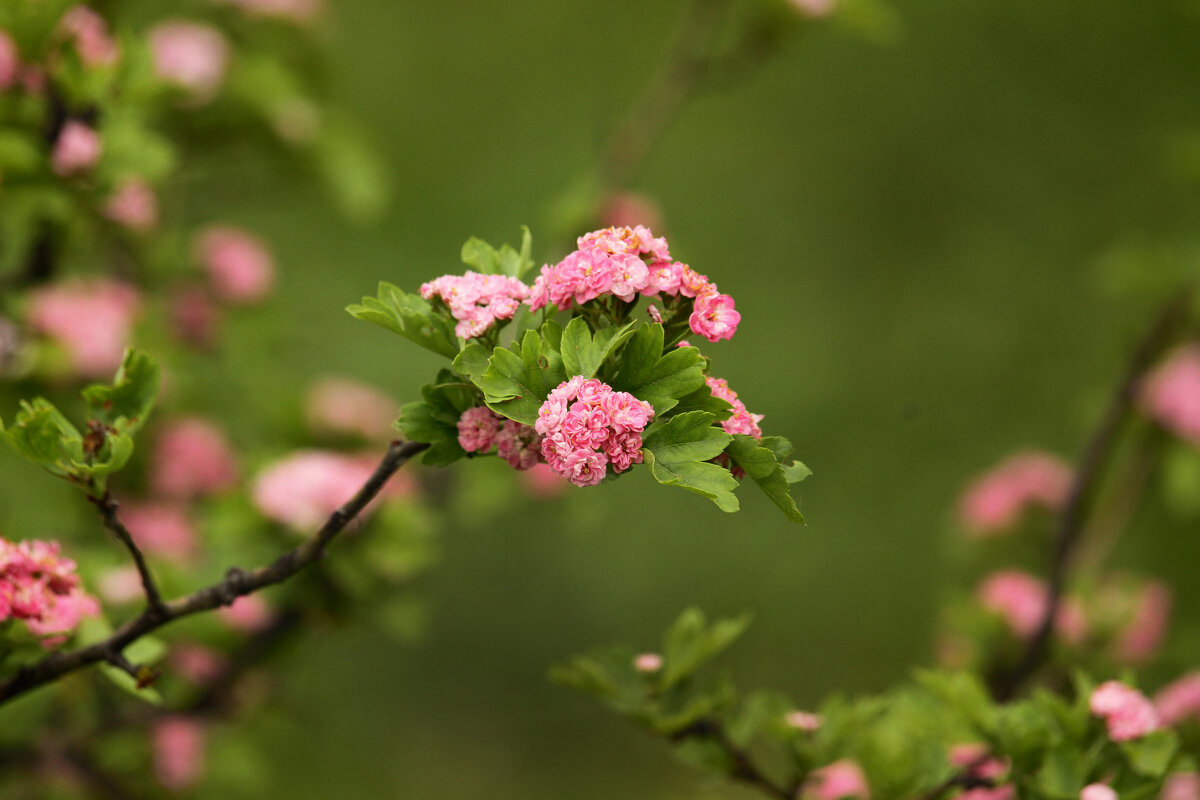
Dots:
{"x": 741, "y": 766}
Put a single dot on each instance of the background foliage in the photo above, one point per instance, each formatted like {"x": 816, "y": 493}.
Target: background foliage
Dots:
{"x": 914, "y": 231}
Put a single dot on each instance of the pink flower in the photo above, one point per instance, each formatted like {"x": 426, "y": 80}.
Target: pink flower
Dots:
{"x": 742, "y": 421}
{"x": 976, "y": 756}
{"x": 714, "y": 317}
{"x": 648, "y": 662}
{"x": 995, "y": 501}
{"x": 89, "y": 30}
{"x": 91, "y": 318}
{"x": 161, "y": 529}
{"x": 248, "y": 613}
{"x": 1097, "y": 791}
{"x": 1125, "y": 710}
{"x": 346, "y": 407}
{"x": 1179, "y": 700}
{"x": 587, "y": 426}
{"x": 76, "y": 150}
{"x": 133, "y": 205}
{"x": 40, "y": 587}
{"x": 519, "y": 445}
{"x": 476, "y": 300}
{"x": 842, "y": 778}
{"x": 1140, "y": 639}
{"x": 1181, "y": 786}
{"x": 192, "y": 458}
{"x": 301, "y": 490}
{"x": 1021, "y": 600}
{"x": 190, "y": 55}
{"x": 197, "y": 663}
{"x": 237, "y": 262}
{"x": 477, "y": 429}
{"x": 814, "y": 8}
{"x": 295, "y": 11}
{"x": 178, "y": 744}
{"x": 542, "y": 482}
{"x": 1171, "y": 394}
{"x": 803, "y": 721}
{"x": 120, "y": 585}
{"x": 10, "y": 61}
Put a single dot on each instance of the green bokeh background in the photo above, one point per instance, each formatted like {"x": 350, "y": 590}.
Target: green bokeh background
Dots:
{"x": 912, "y": 232}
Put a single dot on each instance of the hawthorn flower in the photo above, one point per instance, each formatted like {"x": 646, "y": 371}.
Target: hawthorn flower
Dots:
{"x": 1126, "y": 711}
{"x": 342, "y": 406}
{"x": 92, "y": 40}
{"x": 840, "y": 779}
{"x": 10, "y": 61}
{"x": 587, "y": 426}
{"x": 238, "y": 263}
{"x": 803, "y": 721}
{"x": 1181, "y": 786}
{"x": 161, "y": 529}
{"x": 1139, "y": 640}
{"x": 648, "y": 662}
{"x": 995, "y": 501}
{"x": 40, "y": 588}
{"x": 814, "y": 8}
{"x": 714, "y": 317}
{"x": 742, "y": 421}
{"x": 476, "y": 300}
{"x": 1020, "y": 599}
{"x": 178, "y": 744}
{"x": 192, "y": 458}
{"x": 133, "y": 205}
{"x": 91, "y": 318}
{"x": 477, "y": 429}
{"x": 191, "y": 55}
{"x": 76, "y": 150}
{"x": 1171, "y": 394}
{"x": 301, "y": 490}
{"x": 1179, "y": 700}
{"x": 248, "y": 613}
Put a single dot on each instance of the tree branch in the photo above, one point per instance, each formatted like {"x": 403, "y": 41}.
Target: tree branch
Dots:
{"x": 1091, "y": 469}
{"x": 237, "y": 582}
{"x": 742, "y": 766}
{"x": 107, "y": 507}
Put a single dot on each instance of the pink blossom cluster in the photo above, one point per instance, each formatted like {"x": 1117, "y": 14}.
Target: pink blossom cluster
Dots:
{"x": 179, "y": 744}
{"x": 40, "y": 588}
{"x": 477, "y": 300}
{"x": 1020, "y": 599}
{"x": 627, "y": 262}
{"x": 297, "y": 11}
{"x": 1140, "y": 638}
{"x": 192, "y": 458}
{"x": 742, "y": 420}
{"x": 840, "y": 779}
{"x": 1097, "y": 791}
{"x": 1125, "y": 710}
{"x": 161, "y": 528}
{"x": 89, "y": 31}
{"x": 975, "y": 758}
{"x": 804, "y": 721}
{"x": 1181, "y": 786}
{"x": 995, "y": 501}
{"x": 77, "y": 149}
{"x": 1179, "y": 700}
{"x": 10, "y": 61}
{"x": 239, "y": 265}
{"x": 1171, "y": 394}
{"x": 479, "y": 429}
{"x": 133, "y": 205}
{"x": 346, "y": 407}
{"x": 91, "y": 318}
{"x": 588, "y": 426}
{"x": 191, "y": 55}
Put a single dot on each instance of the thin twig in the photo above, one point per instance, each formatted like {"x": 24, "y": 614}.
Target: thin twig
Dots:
{"x": 1088, "y": 475}
{"x": 742, "y": 766}
{"x": 237, "y": 582}
{"x": 107, "y": 507}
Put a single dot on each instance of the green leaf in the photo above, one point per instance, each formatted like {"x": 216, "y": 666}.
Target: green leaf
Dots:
{"x": 1063, "y": 773}
{"x": 661, "y": 380}
{"x": 583, "y": 353}
{"x": 411, "y": 316}
{"x": 703, "y": 400}
{"x": 677, "y": 451}
{"x": 42, "y": 435}
{"x": 691, "y": 643}
{"x": 1151, "y": 755}
{"x": 505, "y": 261}
{"x": 126, "y": 404}
{"x": 519, "y": 378}
{"x": 472, "y": 362}
{"x": 760, "y": 463}
{"x": 434, "y": 420}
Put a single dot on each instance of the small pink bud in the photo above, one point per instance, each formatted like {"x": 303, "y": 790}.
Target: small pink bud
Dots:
{"x": 803, "y": 721}
{"x": 840, "y": 779}
{"x": 814, "y": 8}
{"x": 1097, "y": 791}
{"x": 238, "y": 263}
{"x": 76, "y": 150}
{"x": 648, "y": 662}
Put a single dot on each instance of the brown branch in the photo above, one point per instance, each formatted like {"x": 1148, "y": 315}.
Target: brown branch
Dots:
{"x": 237, "y": 582}
{"x": 1088, "y": 475}
{"x": 107, "y": 507}
{"x": 742, "y": 767}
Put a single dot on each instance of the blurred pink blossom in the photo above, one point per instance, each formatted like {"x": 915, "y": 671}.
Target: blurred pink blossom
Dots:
{"x": 630, "y": 209}
{"x": 196, "y": 663}
{"x": 1177, "y": 701}
{"x": 91, "y": 318}
{"x": 10, "y": 61}
{"x": 161, "y": 529}
{"x": 120, "y": 585}
{"x": 1097, "y": 791}
{"x": 542, "y": 482}
{"x": 1140, "y": 639}
{"x": 842, "y": 778}
{"x": 803, "y": 721}
{"x": 192, "y": 458}
{"x": 1125, "y": 710}
{"x": 1005, "y": 791}
{"x": 1171, "y": 393}
{"x": 976, "y": 755}
{"x": 814, "y": 8}
{"x": 89, "y": 30}
{"x": 76, "y": 150}
{"x": 248, "y": 613}
{"x": 1181, "y": 786}
{"x": 648, "y": 662}
{"x": 1021, "y": 600}
{"x": 238, "y": 263}
{"x": 133, "y": 205}
{"x": 301, "y": 490}
{"x": 298, "y": 11}
{"x": 346, "y": 407}
{"x": 178, "y": 744}
{"x": 194, "y": 316}
{"x": 995, "y": 501}
{"x": 191, "y": 55}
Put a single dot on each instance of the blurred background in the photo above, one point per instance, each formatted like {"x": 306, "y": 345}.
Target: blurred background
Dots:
{"x": 914, "y": 224}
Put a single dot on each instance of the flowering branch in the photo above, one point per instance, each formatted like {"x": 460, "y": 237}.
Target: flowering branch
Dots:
{"x": 1092, "y": 465}
{"x": 107, "y": 507}
{"x": 237, "y": 582}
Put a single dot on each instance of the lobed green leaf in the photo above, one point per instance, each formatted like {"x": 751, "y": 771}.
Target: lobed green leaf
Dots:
{"x": 677, "y": 453}
{"x": 411, "y": 316}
